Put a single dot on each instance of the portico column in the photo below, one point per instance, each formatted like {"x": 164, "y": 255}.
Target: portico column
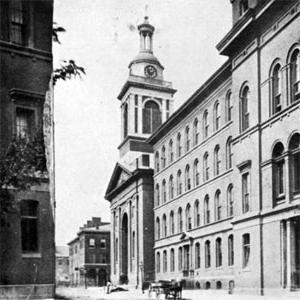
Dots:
{"x": 288, "y": 256}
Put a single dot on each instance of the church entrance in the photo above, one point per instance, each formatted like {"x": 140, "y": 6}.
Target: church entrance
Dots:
{"x": 124, "y": 274}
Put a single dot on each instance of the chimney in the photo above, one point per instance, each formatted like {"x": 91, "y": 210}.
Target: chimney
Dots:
{"x": 89, "y": 224}
{"x": 96, "y": 222}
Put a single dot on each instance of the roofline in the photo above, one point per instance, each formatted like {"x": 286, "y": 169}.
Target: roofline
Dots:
{"x": 184, "y": 108}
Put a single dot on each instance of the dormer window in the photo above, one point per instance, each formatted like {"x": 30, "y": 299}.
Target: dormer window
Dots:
{"x": 244, "y": 6}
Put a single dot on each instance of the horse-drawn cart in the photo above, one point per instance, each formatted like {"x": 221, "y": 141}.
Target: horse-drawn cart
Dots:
{"x": 165, "y": 290}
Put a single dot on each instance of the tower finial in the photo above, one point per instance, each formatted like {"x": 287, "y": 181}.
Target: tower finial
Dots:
{"x": 146, "y": 11}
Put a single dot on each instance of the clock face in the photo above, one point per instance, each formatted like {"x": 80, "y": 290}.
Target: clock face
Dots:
{"x": 150, "y": 71}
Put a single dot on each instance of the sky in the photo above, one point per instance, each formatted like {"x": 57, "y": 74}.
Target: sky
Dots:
{"x": 101, "y": 36}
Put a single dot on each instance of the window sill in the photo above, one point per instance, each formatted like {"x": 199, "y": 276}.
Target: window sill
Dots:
{"x": 32, "y": 255}
{"x": 246, "y": 269}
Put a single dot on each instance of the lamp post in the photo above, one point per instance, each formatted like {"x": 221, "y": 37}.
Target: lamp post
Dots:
{"x": 141, "y": 265}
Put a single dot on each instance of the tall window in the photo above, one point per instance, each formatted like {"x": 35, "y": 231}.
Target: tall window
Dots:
{"x": 157, "y": 161}
{"x": 179, "y": 258}
{"x": 294, "y": 148}
{"x": 230, "y": 200}
{"x": 197, "y": 214}
{"x": 244, "y": 108}
{"x": 228, "y": 104}
{"x": 125, "y": 120}
{"x": 217, "y": 116}
{"x": 180, "y": 223}
{"x": 206, "y": 210}
{"x": 163, "y": 157}
{"x": 164, "y": 226}
{"x": 207, "y": 254}
{"x": 179, "y": 183}
{"x": 245, "y": 192}
{"x": 218, "y": 206}
{"x": 92, "y": 243}
{"x": 195, "y": 132}
{"x": 187, "y": 178}
{"x": 158, "y": 262}
{"x": 196, "y": 173}
{"x": 17, "y": 22}
{"x": 230, "y": 251}
{"x": 151, "y": 117}
{"x": 171, "y": 152}
{"x": 157, "y": 223}
{"x": 172, "y": 225}
{"x": 157, "y": 194}
{"x": 205, "y": 167}
{"x": 229, "y": 153}
{"x": 188, "y": 217}
{"x": 29, "y": 225}
{"x": 217, "y": 160}
{"x": 165, "y": 261}
{"x": 276, "y": 89}
{"x": 278, "y": 171}
{"x": 197, "y": 256}
{"x": 24, "y": 122}
{"x": 179, "y": 145}
{"x": 171, "y": 187}
{"x": 172, "y": 260}
{"x": 187, "y": 139}
{"x": 244, "y": 6}
{"x": 205, "y": 124}
{"x": 164, "y": 191}
{"x": 246, "y": 249}
{"x": 218, "y": 252}
{"x": 295, "y": 75}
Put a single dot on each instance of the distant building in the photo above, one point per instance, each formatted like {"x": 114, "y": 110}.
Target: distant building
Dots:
{"x": 89, "y": 254}
{"x": 27, "y": 251}
{"x": 62, "y": 265}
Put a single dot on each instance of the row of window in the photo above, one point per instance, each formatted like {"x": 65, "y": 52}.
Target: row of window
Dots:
{"x": 219, "y": 215}
{"x": 184, "y": 256}
{"x": 195, "y": 180}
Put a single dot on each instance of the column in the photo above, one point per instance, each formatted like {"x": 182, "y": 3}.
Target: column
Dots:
{"x": 163, "y": 110}
{"x": 288, "y": 258}
{"x": 140, "y": 114}
{"x": 130, "y": 238}
{"x": 97, "y": 277}
{"x": 283, "y": 242}
{"x": 287, "y": 179}
{"x": 119, "y": 243}
{"x": 131, "y": 106}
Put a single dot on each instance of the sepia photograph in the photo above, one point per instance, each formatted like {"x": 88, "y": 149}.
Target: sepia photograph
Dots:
{"x": 149, "y": 149}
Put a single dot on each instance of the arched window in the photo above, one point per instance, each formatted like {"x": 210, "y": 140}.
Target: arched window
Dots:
{"x": 157, "y": 223}
{"x": 179, "y": 183}
{"x": 246, "y": 249}
{"x": 276, "y": 89}
{"x": 172, "y": 225}
{"x": 187, "y": 178}
{"x": 205, "y": 167}
{"x": 158, "y": 262}
{"x": 197, "y": 214}
{"x": 172, "y": 260}
{"x": 165, "y": 261}
{"x": 217, "y": 116}
{"x": 157, "y": 196}
{"x": 206, "y": 210}
{"x": 171, "y": 188}
{"x": 218, "y": 206}
{"x": 229, "y": 153}
{"x": 230, "y": 251}
{"x": 195, "y": 132}
{"x": 179, "y": 258}
{"x": 188, "y": 217}
{"x": 294, "y": 149}
{"x": 218, "y": 252}
{"x": 171, "y": 152}
{"x": 157, "y": 161}
{"x": 164, "y": 226}
{"x": 295, "y": 75}
{"x": 178, "y": 144}
{"x": 196, "y": 173}
{"x": 228, "y": 105}
{"x": 197, "y": 255}
{"x": 151, "y": 116}
{"x": 164, "y": 191}
{"x": 163, "y": 157}
{"x": 217, "y": 160}
{"x": 179, "y": 216}
{"x": 205, "y": 124}
{"x": 187, "y": 139}
{"x": 125, "y": 120}
{"x": 244, "y": 110}
{"x": 230, "y": 200}
{"x": 207, "y": 254}
{"x": 278, "y": 172}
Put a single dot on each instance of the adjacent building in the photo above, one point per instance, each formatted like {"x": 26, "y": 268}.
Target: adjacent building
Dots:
{"x": 227, "y": 163}
{"x": 146, "y": 101}
{"x": 89, "y": 254}
{"x": 27, "y": 251}
{"x": 62, "y": 265}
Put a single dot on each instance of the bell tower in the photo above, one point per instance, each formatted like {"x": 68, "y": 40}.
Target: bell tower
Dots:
{"x": 146, "y": 98}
